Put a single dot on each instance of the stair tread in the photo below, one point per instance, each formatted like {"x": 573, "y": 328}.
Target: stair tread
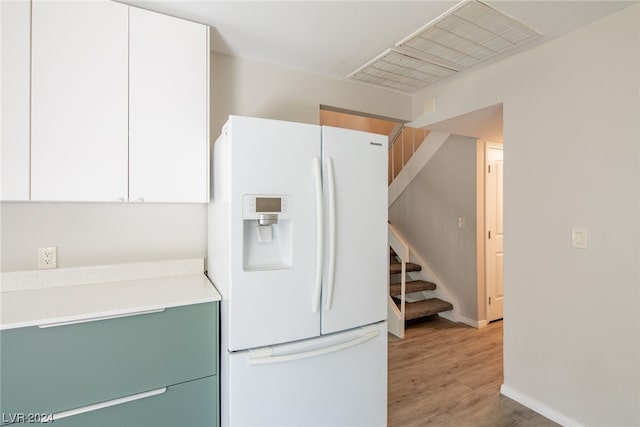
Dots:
{"x": 396, "y": 268}
{"x": 412, "y": 286}
{"x": 426, "y": 307}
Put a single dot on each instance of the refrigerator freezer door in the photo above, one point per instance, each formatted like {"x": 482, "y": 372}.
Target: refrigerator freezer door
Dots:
{"x": 272, "y": 303}
{"x": 356, "y": 255}
{"x": 335, "y": 380}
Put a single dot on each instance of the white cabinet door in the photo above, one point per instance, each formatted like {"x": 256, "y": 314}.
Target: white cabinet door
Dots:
{"x": 16, "y": 39}
{"x": 79, "y": 101}
{"x": 358, "y": 295}
{"x": 168, "y": 108}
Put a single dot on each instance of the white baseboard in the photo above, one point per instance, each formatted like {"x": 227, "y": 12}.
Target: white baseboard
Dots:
{"x": 479, "y": 324}
{"x": 449, "y": 315}
{"x": 538, "y": 407}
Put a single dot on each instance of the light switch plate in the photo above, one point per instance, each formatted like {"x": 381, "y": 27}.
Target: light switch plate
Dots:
{"x": 579, "y": 237}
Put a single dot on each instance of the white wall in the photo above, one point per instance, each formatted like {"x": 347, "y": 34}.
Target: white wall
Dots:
{"x": 571, "y": 140}
{"x": 427, "y": 213}
{"x": 102, "y": 233}
{"x": 257, "y": 89}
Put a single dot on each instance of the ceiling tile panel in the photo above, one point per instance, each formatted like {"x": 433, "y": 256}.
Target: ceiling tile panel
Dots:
{"x": 465, "y": 36}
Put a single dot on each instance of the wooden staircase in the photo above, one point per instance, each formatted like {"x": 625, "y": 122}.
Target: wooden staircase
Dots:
{"x": 414, "y": 309}
{"x": 409, "y": 297}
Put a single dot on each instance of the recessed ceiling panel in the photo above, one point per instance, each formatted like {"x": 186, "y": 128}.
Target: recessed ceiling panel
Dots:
{"x": 397, "y": 70}
{"x": 467, "y": 35}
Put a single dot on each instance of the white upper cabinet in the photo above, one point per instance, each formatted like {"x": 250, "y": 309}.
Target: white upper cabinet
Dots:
{"x": 168, "y": 109}
{"x": 14, "y": 147}
{"x": 119, "y": 104}
{"x": 79, "y": 115}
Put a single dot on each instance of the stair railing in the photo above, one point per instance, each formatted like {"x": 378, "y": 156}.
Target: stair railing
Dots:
{"x": 401, "y": 248}
{"x": 403, "y": 144}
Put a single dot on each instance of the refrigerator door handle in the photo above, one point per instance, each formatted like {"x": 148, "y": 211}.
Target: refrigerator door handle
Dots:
{"x": 267, "y": 355}
{"x": 317, "y": 173}
{"x": 331, "y": 271}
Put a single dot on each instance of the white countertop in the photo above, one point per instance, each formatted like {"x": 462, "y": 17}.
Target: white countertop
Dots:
{"x": 42, "y": 297}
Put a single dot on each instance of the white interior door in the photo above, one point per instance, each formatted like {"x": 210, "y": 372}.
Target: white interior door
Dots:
{"x": 356, "y": 256}
{"x": 494, "y": 232}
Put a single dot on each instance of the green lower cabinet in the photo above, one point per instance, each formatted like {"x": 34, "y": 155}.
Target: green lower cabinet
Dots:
{"x": 191, "y": 404}
{"x": 63, "y": 368}
{"x": 54, "y": 369}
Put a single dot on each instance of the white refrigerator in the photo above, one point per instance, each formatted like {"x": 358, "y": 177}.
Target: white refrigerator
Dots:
{"x": 297, "y": 247}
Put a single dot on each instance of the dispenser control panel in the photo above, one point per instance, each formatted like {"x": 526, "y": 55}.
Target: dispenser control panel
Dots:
{"x": 255, "y": 205}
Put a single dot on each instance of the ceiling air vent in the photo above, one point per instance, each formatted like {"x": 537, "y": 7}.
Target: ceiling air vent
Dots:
{"x": 397, "y": 70}
{"x": 469, "y": 34}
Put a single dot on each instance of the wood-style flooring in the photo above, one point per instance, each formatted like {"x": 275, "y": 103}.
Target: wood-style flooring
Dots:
{"x": 449, "y": 374}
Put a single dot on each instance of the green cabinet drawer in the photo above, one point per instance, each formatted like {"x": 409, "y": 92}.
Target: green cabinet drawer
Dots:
{"x": 190, "y": 404}
{"x": 59, "y": 368}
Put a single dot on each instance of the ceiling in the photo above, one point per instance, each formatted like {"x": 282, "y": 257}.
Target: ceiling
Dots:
{"x": 334, "y": 38}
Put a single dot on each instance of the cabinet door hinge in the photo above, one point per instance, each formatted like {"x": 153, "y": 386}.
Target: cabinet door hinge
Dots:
{"x": 489, "y": 300}
{"x": 489, "y": 169}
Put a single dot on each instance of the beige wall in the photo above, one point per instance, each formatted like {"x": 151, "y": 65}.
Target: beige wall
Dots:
{"x": 572, "y": 158}
{"x": 247, "y": 88}
{"x": 101, "y": 233}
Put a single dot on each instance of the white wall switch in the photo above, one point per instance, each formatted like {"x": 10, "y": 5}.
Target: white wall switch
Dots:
{"x": 579, "y": 237}
{"x": 461, "y": 222}
{"x": 47, "y": 257}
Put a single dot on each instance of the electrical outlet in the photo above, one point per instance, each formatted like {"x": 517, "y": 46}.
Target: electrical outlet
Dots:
{"x": 47, "y": 257}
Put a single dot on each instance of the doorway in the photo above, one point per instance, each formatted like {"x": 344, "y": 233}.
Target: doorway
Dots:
{"x": 484, "y": 124}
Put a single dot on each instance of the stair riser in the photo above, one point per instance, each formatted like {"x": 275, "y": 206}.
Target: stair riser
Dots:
{"x": 412, "y": 286}
{"x": 427, "y": 307}
{"x": 397, "y": 268}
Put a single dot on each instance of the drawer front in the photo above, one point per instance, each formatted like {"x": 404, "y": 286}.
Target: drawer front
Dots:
{"x": 59, "y": 368}
{"x": 191, "y": 404}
